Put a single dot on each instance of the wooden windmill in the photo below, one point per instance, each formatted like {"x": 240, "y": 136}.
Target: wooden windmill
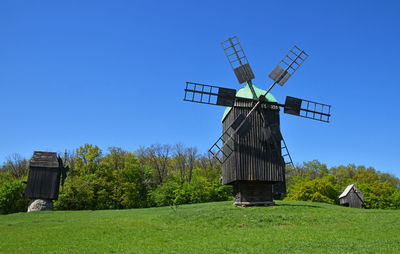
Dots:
{"x": 46, "y": 170}
{"x": 251, "y": 148}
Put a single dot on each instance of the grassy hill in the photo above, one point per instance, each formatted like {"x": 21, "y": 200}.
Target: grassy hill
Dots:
{"x": 291, "y": 227}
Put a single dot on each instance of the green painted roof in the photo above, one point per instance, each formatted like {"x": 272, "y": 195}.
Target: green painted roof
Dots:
{"x": 245, "y": 92}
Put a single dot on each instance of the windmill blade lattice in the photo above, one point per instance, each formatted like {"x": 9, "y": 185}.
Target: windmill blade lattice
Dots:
{"x": 237, "y": 59}
{"x": 215, "y": 95}
{"x": 285, "y": 154}
{"x": 288, "y": 65}
{"x": 307, "y": 109}
{"x": 240, "y": 126}
{"x": 206, "y": 94}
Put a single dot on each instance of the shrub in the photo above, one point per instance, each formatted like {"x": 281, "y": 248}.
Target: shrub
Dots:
{"x": 200, "y": 189}
{"x": 377, "y": 194}
{"x": 396, "y": 199}
{"x": 317, "y": 190}
{"x": 11, "y": 197}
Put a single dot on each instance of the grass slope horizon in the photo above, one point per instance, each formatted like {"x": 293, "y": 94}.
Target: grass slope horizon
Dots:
{"x": 217, "y": 227}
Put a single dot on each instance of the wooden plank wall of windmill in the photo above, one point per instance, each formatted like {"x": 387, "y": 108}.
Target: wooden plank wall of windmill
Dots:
{"x": 43, "y": 183}
{"x": 253, "y": 159}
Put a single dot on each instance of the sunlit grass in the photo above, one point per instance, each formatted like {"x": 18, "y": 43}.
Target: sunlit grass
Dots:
{"x": 291, "y": 227}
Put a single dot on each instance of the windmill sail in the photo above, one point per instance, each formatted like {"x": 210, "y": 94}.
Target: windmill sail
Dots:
{"x": 206, "y": 94}
{"x": 307, "y": 109}
{"x": 285, "y": 154}
{"x": 237, "y": 59}
{"x": 241, "y": 126}
{"x": 226, "y": 140}
{"x": 288, "y": 65}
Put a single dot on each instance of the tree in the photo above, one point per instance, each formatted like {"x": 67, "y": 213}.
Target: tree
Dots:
{"x": 115, "y": 158}
{"x": 191, "y": 159}
{"x": 156, "y": 156}
{"x": 87, "y": 159}
{"x": 184, "y": 160}
{"x": 16, "y": 165}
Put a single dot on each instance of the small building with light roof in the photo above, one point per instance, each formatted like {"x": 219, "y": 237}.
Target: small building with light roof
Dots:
{"x": 351, "y": 197}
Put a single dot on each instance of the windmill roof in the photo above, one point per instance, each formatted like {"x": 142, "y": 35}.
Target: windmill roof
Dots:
{"x": 44, "y": 159}
{"x": 245, "y": 92}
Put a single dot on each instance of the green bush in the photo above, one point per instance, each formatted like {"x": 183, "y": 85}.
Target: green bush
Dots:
{"x": 166, "y": 193}
{"x": 377, "y": 194}
{"x": 200, "y": 189}
{"x": 11, "y": 197}
{"x": 77, "y": 194}
{"x": 109, "y": 187}
{"x": 317, "y": 190}
{"x": 92, "y": 192}
{"x": 396, "y": 199}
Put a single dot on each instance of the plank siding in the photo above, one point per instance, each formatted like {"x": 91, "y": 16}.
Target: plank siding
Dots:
{"x": 44, "y": 176}
{"x": 352, "y": 199}
{"x": 43, "y": 183}
{"x": 253, "y": 158}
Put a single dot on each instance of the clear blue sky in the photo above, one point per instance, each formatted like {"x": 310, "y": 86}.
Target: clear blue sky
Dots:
{"x": 112, "y": 73}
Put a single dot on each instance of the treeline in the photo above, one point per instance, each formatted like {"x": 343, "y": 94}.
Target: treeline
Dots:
{"x": 313, "y": 181}
{"x": 159, "y": 175}
{"x": 170, "y": 175}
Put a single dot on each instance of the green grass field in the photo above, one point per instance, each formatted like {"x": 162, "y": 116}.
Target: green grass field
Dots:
{"x": 290, "y": 227}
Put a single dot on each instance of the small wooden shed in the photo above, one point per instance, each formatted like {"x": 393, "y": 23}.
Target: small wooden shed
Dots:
{"x": 44, "y": 176}
{"x": 351, "y": 197}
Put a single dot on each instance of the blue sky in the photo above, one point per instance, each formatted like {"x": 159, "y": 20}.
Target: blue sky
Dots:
{"x": 112, "y": 73}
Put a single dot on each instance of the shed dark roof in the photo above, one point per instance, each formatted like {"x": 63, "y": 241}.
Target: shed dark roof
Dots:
{"x": 44, "y": 159}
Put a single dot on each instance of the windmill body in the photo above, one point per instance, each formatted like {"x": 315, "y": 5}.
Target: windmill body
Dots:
{"x": 256, "y": 163}
{"x": 251, "y": 148}
{"x": 45, "y": 172}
